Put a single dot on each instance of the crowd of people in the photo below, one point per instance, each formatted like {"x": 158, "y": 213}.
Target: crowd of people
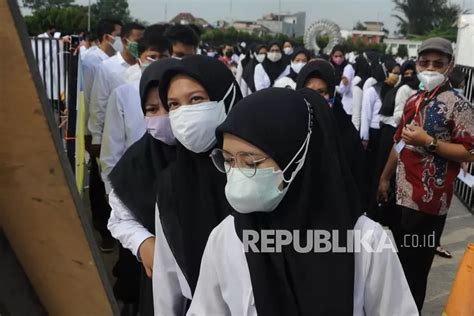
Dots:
{"x": 192, "y": 145}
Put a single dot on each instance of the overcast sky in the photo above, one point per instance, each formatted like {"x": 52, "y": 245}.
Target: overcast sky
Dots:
{"x": 345, "y": 13}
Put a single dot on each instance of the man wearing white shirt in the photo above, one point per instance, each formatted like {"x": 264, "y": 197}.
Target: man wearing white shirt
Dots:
{"x": 109, "y": 76}
{"x": 124, "y": 120}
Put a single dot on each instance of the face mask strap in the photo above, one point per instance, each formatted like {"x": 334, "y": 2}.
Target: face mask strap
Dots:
{"x": 231, "y": 89}
{"x": 304, "y": 146}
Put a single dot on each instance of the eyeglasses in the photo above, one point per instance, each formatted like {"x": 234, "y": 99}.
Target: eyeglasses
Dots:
{"x": 437, "y": 64}
{"x": 245, "y": 162}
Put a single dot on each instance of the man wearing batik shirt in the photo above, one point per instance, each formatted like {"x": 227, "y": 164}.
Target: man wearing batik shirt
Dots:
{"x": 436, "y": 135}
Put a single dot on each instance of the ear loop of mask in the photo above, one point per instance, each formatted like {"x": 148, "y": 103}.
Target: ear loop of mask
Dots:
{"x": 233, "y": 89}
{"x": 333, "y": 99}
{"x": 305, "y": 147}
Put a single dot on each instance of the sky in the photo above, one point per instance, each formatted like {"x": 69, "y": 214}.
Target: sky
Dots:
{"x": 345, "y": 13}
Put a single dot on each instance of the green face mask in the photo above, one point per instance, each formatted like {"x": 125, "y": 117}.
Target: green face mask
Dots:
{"x": 133, "y": 48}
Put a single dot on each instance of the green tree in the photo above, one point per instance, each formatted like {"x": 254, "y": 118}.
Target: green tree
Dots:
{"x": 231, "y": 36}
{"x": 322, "y": 42}
{"x": 116, "y": 9}
{"x": 420, "y": 17}
{"x": 67, "y": 20}
{"x": 402, "y": 51}
{"x": 42, "y": 4}
{"x": 359, "y": 26}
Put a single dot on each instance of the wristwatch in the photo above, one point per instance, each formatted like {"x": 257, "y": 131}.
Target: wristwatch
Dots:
{"x": 433, "y": 145}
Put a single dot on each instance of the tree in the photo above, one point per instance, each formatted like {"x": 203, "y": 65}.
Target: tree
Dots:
{"x": 232, "y": 36}
{"x": 359, "y": 27}
{"x": 322, "y": 41}
{"x": 402, "y": 51}
{"x": 42, "y": 4}
{"x": 66, "y": 20}
{"x": 419, "y": 17}
{"x": 112, "y": 9}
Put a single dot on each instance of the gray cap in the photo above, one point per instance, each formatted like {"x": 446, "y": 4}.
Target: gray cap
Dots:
{"x": 437, "y": 44}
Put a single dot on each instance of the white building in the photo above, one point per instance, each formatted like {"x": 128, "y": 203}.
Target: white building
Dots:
{"x": 394, "y": 43}
{"x": 465, "y": 41}
{"x": 292, "y": 25}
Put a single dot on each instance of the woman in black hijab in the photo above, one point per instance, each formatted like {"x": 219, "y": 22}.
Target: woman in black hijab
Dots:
{"x": 248, "y": 83}
{"x": 319, "y": 75}
{"x": 361, "y": 74}
{"x": 198, "y": 93}
{"x": 133, "y": 179}
{"x": 271, "y": 69}
{"x": 286, "y": 173}
{"x": 391, "y": 113}
{"x": 301, "y": 56}
{"x": 338, "y": 60}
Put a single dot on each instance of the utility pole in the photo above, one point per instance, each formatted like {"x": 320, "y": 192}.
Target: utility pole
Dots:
{"x": 89, "y": 17}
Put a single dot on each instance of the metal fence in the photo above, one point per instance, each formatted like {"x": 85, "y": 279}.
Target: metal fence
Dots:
{"x": 58, "y": 67}
{"x": 465, "y": 190}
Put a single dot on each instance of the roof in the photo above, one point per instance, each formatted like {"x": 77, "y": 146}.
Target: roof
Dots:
{"x": 188, "y": 18}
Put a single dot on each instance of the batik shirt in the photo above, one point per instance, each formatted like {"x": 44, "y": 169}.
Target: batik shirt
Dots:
{"x": 425, "y": 180}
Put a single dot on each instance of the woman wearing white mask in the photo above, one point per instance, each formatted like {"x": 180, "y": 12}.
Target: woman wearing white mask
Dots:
{"x": 298, "y": 60}
{"x": 271, "y": 69}
{"x": 247, "y": 84}
{"x": 286, "y": 172}
{"x": 198, "y": 93}
{"x": 133, "y": 179}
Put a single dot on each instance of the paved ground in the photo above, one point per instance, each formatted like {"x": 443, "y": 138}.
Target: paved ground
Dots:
{"x": 459, "y": 231}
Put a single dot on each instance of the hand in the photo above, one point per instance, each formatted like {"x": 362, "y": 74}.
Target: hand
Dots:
{"x": 382, "y": 192}
{"x": 415, "y": 135}
{"x": 345, "y": 81}
{"x": 94, "y": 150}
{"x": 147, "y": 253}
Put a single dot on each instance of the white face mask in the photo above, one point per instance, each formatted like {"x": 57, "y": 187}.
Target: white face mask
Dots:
{"x": 430, "y": 79}
{"x": 194, "y": 126}
{"x": 211, "y": 54}
{"x": 288, "y": 50}
{"x": 274, "y": 57}
{"x": 297, "y": 67}
{"x": 160, "y": 128}
{"x": 261, "y": 193}
{"x": 117, "y": 45}
{"x": 260, "y": 57}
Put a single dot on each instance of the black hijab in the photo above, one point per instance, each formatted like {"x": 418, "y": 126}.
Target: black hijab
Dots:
{"x": 362, "y": 70}
{"x": 367, "y": 65}
{"x": 388, "y": 104}
{"x": 339, "y": 69}
{"x": 380, "y": 72}
{"x": 274, "y": 69}
{"x": 349, "y": 136}
{"x": 249, "y": 70}
{"x": 134, "y": 176}
{"x": 191, "y": 198}
{"x": 320, "y": 197}
{"x": 301, "y": 50}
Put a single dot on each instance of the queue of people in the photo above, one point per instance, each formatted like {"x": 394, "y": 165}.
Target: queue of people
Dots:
{"x": 190, "y": 152}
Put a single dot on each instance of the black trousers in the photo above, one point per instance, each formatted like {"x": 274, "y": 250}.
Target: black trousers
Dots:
{"x": 416, "y": 236}
{"x": 99, "y": 206}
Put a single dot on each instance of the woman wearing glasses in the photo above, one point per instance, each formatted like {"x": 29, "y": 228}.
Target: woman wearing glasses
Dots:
{"x": 319, "y": 75}
{"x": 198, "y": 92}
{"x": 286, "y": 172}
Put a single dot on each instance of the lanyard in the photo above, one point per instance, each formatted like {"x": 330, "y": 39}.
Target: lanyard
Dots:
{"x": 425, "y": 100}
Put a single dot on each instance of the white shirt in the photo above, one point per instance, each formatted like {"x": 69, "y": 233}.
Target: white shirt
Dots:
{"x": 124, "y": 125}
{"x": 403, "y": 94}
{"x": 346, "y": 91}
{"x": 170, "y": 288}
{"x": 262, "y": 80}
{"x": 108, "y": 77}
{"x": 124, "y": 226}
{"x": 133, "y": 73}
{"x": 91, "y": 62}
{"x": 370, "y": 117}
{"x": 224, "y": 286}
{"x": 356, "y": 102}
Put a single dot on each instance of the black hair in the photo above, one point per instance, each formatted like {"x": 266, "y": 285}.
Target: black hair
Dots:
{"x": 456, "y": 77}
{"x": 129, "y": 27}
{"x": 106, "y": 26}
{"x": 159, "y": 28}
{"x": 196, "y": 29}
{"x": 156, "y": 42}
{"x": 338, "y": 48}
{"x": 183, "y": 34}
